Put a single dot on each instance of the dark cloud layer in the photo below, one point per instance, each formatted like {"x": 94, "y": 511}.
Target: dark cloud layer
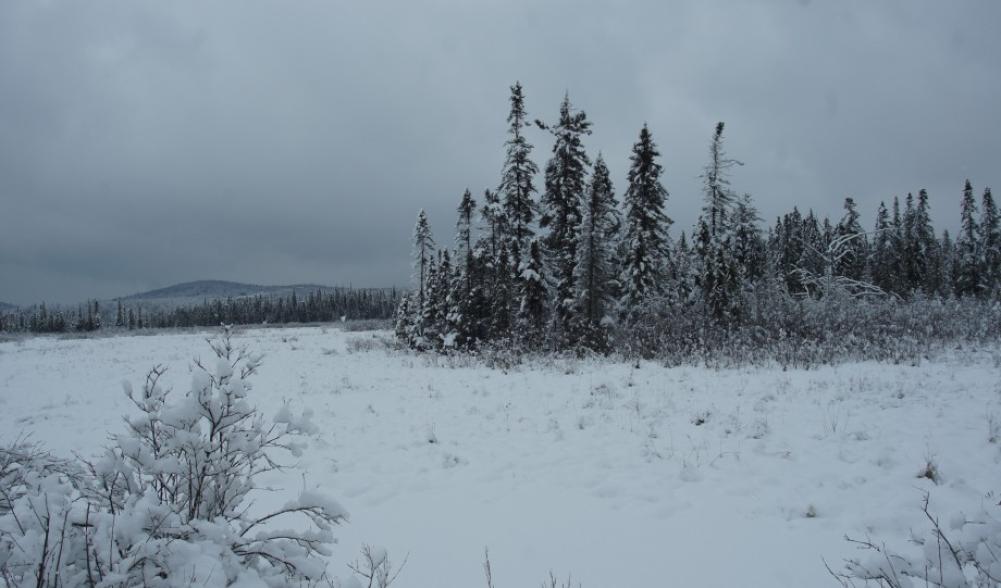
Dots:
{"x": 143, "y": 144}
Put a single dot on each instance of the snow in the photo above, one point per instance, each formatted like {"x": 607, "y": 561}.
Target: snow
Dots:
{"x": 620, "y": 476}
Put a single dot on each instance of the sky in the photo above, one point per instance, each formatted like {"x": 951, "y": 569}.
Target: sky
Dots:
{"x": 148, "y": 143}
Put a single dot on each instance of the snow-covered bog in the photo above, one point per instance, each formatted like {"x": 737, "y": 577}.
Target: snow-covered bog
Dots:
{"x": 168, "y": 502}
{"x": 592, "y": 466}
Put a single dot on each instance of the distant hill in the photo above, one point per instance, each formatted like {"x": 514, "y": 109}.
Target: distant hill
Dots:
{"x": 210, "y": 289}
{"x": 195, "y": 292}
{"x": 7, "y": 307}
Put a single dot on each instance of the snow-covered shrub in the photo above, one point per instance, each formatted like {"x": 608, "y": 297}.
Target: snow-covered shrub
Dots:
{"x": 967, "y": 555}
{"x": 168, "y": 502}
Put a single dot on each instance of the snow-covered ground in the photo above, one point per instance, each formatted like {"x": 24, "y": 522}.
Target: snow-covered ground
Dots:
{"x": 646, "y": 477}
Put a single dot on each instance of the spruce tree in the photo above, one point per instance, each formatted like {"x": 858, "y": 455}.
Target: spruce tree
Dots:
{"x": 645, "y": 241}
{"x": 881, "y": 257}
{"x": 424, "y": 248}
{"x": 990, "y": 244}
{"x": 494, "y": 225}
{"x": 465, "y": 285}
{"x": 924, "y": 252}
{"x": 719, "y": 275}
{"x": 517, "y": 178}
{"x": 852, "y": 264}
{"x": 501, "y": 296}
{"x": 595, "y": 278}
{"x": 531, "y": 317}
{"x": 947, "y": 266}
{"x": 748, "y": 245}
{"x": 968, "y": 264}
{"x": 565, "y": 181}
{"x": 898, "y": 255}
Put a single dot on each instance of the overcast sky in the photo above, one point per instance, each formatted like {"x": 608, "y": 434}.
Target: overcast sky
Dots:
{"x": 148, "y": 143}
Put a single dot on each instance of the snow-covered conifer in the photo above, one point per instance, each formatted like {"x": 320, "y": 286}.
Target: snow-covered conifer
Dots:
{"x": 596, "y": 281}
{"x": 517, "y": 185}
{"x": 565, "y": 181}
{"x": 645, "y": 240}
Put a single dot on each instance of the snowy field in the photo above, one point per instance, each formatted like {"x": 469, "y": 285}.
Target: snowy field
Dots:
{"x": 623, "y": 477}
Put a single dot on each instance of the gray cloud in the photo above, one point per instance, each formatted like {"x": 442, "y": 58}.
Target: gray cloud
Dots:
{"x": 143, "y": 144}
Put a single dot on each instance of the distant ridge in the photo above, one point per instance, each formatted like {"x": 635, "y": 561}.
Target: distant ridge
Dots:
{"x": 221, "y": 289}
{"x": 7, "y": 307}
{"x": 216, "y": 289}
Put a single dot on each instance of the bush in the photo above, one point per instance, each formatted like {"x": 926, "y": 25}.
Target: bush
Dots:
{"x": 966, "y": 556}
{"x": 167, "y": 504}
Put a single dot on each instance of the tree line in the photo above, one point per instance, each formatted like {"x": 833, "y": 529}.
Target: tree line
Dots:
{"x": 314, "y": 306}
{"x": 571, "y": 268}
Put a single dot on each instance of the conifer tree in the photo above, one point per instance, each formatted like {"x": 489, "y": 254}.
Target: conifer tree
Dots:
{"x": 898, "y": 273}
{"x": 645, "y": 242}
{"x": 595, "y": 278}
{"x": 465, "y": 288}
{"x": 518, "y": 178}
{"x": 565, "y": 180}
{"x": 924, "y": 252}
{"x": 719, "y": 275}
{"x": 424, "y": 248}
{"x": 947, "y": 266}
{"x": 501, "y": 296}
{"x": 968, "y": 259}
{"x": 494, "y": 225}
{"x": 881, "y": 257}
{"x": 531, "y": 316}
{"x": 990, "y": 237}
{"x": 748, "y": 245}
{"x": 852, "y": 264}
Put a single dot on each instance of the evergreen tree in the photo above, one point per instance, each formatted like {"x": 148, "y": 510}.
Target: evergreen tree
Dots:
{"x": 898, "y": 251}
{"x": 719, "y": 276}
{"x": 424, "y": 248}
{"x": 404, "y": 321}
{"x": 990, "y": 237}
{"x": 968, "y": 264}
{"x": 645, "y": 241}
{"x": 748, "y": 245}
{"x": 947, "y": 266}
{"x": 502, "y": 293}
{"x": 465, "y": 284}
{"x": 852, "y": 264}
{"x": 881, "y": 257}
{"x": 495, "y": 227}
{"x": 924, "y": 250}
{"x": 565, "y": 182}
{"x": 518, "y": 177}
{"x": 595, "y": 278}
{"x": 532, "y": 298}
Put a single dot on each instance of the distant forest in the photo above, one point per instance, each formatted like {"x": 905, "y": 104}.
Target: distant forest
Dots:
{"x": 568, "y": 267}
{"x": 312, "y": 307}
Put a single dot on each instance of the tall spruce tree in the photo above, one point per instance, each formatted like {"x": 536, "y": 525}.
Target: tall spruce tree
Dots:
{"x": 719, "y": 276}
{"x": 424, "y": 248}
{"x": 881, "y": 256}
{"x": 517, "y": 185}
{"x": 645, "y": 241}
{"x": 924, "y": 250}
{"x": 968, "y": 264}
{"x": 566, "y": 175}
{"x": 595, "y": 278}
{"x": 464, "y": 289}
{"x": 990, "y": 244}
